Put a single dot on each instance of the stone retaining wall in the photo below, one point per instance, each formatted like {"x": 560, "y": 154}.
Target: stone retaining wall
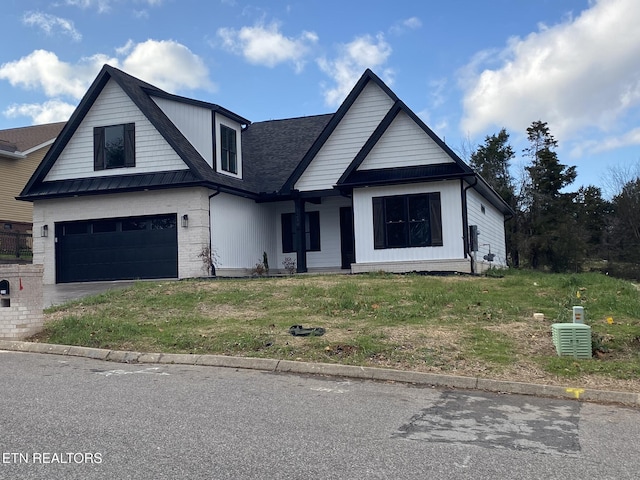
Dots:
{"x": 21, "y": 307}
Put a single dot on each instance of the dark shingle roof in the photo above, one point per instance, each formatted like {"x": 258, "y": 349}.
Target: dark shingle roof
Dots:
{"x": 275, "y": 153}
{"x": 271, "y": 150}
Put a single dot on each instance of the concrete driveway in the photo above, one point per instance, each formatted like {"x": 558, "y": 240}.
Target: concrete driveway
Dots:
{"x": 65, "y": 292}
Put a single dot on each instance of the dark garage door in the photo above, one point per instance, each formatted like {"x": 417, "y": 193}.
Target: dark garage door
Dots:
{"x": 117, "y": 249}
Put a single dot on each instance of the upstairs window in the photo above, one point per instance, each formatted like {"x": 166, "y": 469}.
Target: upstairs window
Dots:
{"x": 114, "y": 146}
{"x": 228, "y": 150}
{"x": 405, "y": 221}
{"x": 311, "y": 232}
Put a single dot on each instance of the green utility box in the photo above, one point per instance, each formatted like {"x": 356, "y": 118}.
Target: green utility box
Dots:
{"x": 572, "y": 339}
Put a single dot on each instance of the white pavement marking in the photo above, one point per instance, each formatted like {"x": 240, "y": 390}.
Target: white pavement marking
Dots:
{"x": 328, "y": 390}
{"x": 144, "y": 371}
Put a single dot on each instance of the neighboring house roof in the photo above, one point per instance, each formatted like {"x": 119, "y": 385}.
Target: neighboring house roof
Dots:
{"x": 275, "y": 153}
{"x": 19, "y": 142}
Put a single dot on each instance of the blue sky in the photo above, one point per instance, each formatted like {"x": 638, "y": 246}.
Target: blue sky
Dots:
{"x": 466, "y": 67}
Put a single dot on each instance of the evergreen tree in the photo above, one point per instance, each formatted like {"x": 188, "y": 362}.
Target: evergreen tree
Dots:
{"x": 626, "y": 229}
{"x": 593, "y": 213}
{"x": 492, "y": 160}
{"x": 550, "y": 221}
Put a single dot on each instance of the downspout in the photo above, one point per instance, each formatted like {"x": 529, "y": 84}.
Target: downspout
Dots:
{"x": 212, "y": 263}
{"x": 465, "y": 221}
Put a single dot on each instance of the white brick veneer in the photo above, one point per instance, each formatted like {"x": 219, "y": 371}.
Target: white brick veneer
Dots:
{"x": 191, "y": 201}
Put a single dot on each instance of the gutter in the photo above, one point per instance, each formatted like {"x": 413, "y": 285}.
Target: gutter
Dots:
{"x": 12, "y": 155}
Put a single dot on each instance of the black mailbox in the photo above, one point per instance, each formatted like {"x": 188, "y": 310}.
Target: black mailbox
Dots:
{"x": 5, "y": 301}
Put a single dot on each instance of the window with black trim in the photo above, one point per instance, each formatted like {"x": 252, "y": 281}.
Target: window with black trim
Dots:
{"x": 404, "y": 221}
{"x": 228, "y": 150}
{"x": 114, "y": 146}
{"x": 311, "y": 232}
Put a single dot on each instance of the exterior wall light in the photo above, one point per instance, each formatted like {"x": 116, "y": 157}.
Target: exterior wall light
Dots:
{"x": 44, "y": 231}
{"x": 185, "y": 220}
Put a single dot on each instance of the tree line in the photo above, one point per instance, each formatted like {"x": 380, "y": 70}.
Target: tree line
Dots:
{"x": 556, "y": 228}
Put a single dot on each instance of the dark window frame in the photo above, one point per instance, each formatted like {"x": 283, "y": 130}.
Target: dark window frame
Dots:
{"x": 407, "y": 221}
{"x": 311, "y": 232}
{"x": 106, "y": 157}
{"x": 120, "y": 224}
{"x": 228, "y": 149}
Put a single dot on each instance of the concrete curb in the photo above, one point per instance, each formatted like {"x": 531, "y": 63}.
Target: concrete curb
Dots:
{"x": 346, "y": 371}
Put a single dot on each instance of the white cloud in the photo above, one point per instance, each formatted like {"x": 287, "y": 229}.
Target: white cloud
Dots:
{"x": 412, "y": 23}
{"x": 102, "y": 6}
{"x": 354, "y": 57}
{"x": 266, "y": 45}
{"x": 166, "y": 64}
{"x": 580, "y": 74}
{"x": 50, "y": 23}
{"x": 627, "y": 139}
{"x": 47, "y": 112}
{"x": 43, "y": 70}
{"x": 438, "y": 92}
{"x": 126, "y": 48}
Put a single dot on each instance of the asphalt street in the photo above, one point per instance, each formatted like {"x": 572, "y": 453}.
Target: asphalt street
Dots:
{"x": 79, "y": 418}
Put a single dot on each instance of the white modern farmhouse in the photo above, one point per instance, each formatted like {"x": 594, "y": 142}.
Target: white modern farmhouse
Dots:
{"x": 141, "y": 182}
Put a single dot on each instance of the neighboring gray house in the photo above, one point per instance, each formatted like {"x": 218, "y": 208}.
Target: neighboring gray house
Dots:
{"x": 140, "y": 182}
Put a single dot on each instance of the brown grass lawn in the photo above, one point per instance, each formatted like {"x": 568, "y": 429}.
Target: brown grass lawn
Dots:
{"x": 460, "y": 325}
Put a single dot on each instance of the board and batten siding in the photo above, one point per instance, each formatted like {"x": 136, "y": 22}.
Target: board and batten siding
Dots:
{"x": 330, "y": 254}
{"x": 491, "y": 230}
{"x": 347, "y": 139}
{"x": 241, "y": 230}
{"x": 114, "y": 107}
{"x": 404, "y": 144}
{"x": 193, "y": 122}
{"x": 181, "y": 201}
{"x": 449, "y": 257}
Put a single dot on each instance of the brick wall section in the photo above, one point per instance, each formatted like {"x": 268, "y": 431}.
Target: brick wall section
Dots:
{"x": 191, "y": 201}
{"x": 21, "y": 310}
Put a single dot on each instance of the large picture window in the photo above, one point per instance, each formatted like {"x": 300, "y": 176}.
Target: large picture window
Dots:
{"x": 311, "y": 232}
{"x": 404, "y": 221}
{"x": 228, "y": 150}
{"x": 114, "y": 146}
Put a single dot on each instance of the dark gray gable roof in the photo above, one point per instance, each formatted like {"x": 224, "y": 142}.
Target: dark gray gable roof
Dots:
{"x": 367, "y": 76}
{"x": 387, "y": 176}
{"x": 271, "y": 150}
{"x": 351, "y": 177}
{"x": 140, "y": 93}
{"x": 275, "y": 153}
